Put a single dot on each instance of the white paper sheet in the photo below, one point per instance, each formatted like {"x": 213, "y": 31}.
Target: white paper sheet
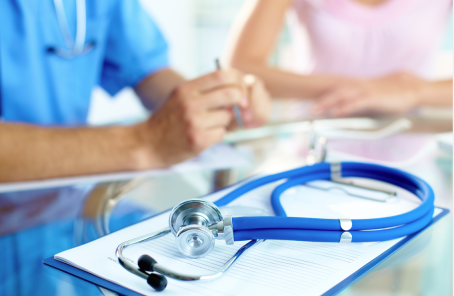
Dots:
{"x": 271, "y": 268}
{"x": 220, "y": 156}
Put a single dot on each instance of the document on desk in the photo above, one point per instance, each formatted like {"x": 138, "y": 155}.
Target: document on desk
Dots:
{"x": 271, "y": 268}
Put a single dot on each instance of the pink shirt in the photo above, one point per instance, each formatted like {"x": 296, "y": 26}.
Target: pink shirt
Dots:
{"x": 352, "y": 39}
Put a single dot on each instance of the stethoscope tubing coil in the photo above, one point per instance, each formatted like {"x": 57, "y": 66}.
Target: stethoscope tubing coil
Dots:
{"x": 334, "y": 236}
{"x": 403, "y": 224}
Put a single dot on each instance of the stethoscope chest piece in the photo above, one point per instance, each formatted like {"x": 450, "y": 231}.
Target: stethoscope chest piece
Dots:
{"x": 190, "y": 222}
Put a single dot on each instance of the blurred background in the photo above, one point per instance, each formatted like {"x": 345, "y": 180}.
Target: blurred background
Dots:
{"x": 196, "y": 31}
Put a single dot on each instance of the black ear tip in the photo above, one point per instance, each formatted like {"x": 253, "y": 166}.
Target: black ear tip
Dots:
{"x": 157, "y": 281}
{"x": 146, "y": 263}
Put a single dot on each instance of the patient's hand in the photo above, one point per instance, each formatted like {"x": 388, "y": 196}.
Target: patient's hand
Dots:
{"x": 396, "y": 93}
{"x": 258, "y": 109}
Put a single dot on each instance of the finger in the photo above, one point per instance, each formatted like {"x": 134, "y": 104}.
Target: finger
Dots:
{"x": 221, "y": 98}
{"x": 256, "y": 97}
{"x": 259, "y": 108}
{"x": 337, "y": 108}
{"x": 352, "y": 107}
{"x": 250, "y": 82}
{"x": 233, "y": 125}
{"x": 248, "y": 116}
{"x": 208, "y": 138}
{"x": 334, "y": 97}
{"x": 215, "y": 135}
{"x": 219, "y": 79}
{"x": 216, "y": 119}
{"x": 246, "y": 109}
{"x": 262, "y": 112}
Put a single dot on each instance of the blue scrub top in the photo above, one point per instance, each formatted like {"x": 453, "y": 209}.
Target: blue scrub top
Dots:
{"x": 43, "y": 88}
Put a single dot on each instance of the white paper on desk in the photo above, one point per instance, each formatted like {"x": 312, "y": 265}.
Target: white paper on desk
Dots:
{"x": 271, "y": 268}
{"x": 221, "y": 156}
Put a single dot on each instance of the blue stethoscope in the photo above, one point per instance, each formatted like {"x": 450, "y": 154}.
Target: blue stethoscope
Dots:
{"x": 197, "y": 223}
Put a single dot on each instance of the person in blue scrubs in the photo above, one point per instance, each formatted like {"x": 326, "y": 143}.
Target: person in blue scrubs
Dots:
{"x": 47, "y": 78}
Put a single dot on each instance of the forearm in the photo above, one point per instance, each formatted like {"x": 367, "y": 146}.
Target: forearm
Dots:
{"x": 436, "y": 93}
{"x": 251, "y": 41}
{"x": 154, "y": 90}
{"x": 193, "y": 118}
{"x": 283, "y": 84}
{"x": 30, "y": 152}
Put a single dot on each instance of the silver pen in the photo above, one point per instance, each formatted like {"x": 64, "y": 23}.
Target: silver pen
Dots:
{"x": 236, "y": 109}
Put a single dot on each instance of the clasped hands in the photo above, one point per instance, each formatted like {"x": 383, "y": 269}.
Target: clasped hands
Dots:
{"x": 396, "y": 93}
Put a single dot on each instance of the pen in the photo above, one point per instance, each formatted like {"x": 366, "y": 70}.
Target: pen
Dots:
{"x": 236, "y": 109}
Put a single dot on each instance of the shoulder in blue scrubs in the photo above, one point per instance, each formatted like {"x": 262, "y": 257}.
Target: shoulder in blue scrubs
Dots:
{"x": 43, "y": 88}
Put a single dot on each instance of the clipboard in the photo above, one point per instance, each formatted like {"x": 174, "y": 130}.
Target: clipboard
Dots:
{"x": 333, "y": 291}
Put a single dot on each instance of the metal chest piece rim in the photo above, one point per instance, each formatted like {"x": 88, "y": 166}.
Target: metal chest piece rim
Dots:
{"x": 189, "y": 222}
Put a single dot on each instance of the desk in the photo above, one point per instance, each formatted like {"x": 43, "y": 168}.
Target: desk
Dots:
{"x": 37, "y": 224}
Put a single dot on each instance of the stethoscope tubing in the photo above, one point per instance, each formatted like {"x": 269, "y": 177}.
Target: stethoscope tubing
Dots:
{"x": 303, "y": 228}
{"x": 77, "y": 47}
{"x": 332, "y": 235}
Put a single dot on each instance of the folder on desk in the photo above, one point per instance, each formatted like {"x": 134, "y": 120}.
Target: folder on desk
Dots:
{"x": 285, "y": 267}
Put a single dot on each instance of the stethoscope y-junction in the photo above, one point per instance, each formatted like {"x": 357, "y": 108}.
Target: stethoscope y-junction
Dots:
{"x": 76, "y": 47}
{"x": 197, "y": 223}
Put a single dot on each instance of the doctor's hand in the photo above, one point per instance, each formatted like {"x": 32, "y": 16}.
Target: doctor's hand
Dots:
{"x": 196, "y": 116}
{"x": 396, "y": 93}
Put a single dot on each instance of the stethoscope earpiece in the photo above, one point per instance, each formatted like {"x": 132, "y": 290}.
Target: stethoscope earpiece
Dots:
{"x": 155, "y": 280}
{"x": 146, "y": 263}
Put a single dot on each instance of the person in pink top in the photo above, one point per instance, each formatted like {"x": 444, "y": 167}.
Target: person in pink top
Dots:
{"x": 367, "y": 55}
